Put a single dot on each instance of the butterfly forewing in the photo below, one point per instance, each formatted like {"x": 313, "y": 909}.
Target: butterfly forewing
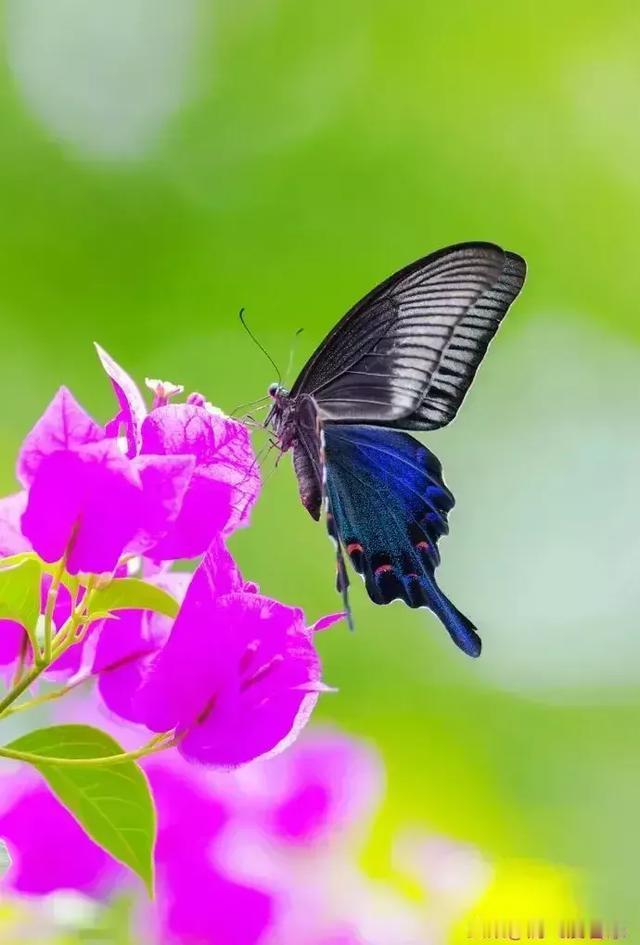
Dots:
{"x": 461, "y": 358}
{"x": 425, "y": 329}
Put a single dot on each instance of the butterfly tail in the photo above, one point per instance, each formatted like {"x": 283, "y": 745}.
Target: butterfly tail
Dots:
{"x": 460, "y": 629}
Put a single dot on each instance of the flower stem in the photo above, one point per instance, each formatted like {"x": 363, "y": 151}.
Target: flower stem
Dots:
{"x": 46, "y": 697}
{"x": 66, "y": 637}
{"x": 152, "y": 747}
{"x": 17, "y": 690}
{"x": 52, "y": 596}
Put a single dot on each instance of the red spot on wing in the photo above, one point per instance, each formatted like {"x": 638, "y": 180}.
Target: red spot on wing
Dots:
{"x": 384, "y": 569}
{"x": 354, "y": 547}
{"x": 423, "y": 545}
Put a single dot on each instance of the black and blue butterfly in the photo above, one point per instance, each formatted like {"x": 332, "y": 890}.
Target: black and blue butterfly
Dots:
{"x": 401, "y": 359}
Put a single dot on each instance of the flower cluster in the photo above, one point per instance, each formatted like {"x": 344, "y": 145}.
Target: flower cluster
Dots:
{"x": 94, "y": 603}
{"x": 265, "y": 855}
{"x": 236, "y": 675}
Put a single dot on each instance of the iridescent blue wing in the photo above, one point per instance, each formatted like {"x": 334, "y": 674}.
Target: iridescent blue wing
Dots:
{"x": 387, "y": 508}
{"x": 406, "y": 354}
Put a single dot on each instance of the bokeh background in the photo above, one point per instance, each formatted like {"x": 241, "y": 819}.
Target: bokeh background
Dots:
{"x": 164, "y": 163}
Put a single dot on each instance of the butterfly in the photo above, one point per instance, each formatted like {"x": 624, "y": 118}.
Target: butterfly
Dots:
{"x": 401, "y": 359}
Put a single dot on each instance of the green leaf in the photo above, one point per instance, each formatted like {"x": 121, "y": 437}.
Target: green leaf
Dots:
{"x": 47, "y": 567}
{"x": 112, "y": 803}
{"x": 20, "y": 593}
{"x": 132, "y": 594}
{"x": 10, "y": 560}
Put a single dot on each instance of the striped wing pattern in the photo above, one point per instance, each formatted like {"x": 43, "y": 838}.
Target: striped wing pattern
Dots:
{"x": 406, "y": 354}
{"x": 461, "y": 356}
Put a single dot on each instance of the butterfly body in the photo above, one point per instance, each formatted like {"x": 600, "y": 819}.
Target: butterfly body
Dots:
{"x": 402, "y": 358}
{"x": 296, "y": 425}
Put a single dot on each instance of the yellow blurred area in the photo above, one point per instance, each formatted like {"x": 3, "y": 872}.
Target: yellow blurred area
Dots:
{"x": 522, "y": 895}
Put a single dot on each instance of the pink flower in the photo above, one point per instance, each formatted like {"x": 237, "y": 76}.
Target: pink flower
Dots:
{"x": 253, "y": 673}
{"x": 197, "y": 903}
{"x": 295, "y": 820}
{"x": 225, "y": 479}
{"x": 88, "y": 501}
{"x": 307, "y": 800}
{"x": 132, "y": 409}
{"x": 63, "y": 426}
{"x": 127, "y": 646}
{"x": 323, "y": 788}
{"x": 12, "y": 541}
{"x": 12, "y": 638}
{"x": 189, "y": 475}
{"x": 226, "y": 871}
{"x": 202, "y": 907}
{"x": 49, "y": 849}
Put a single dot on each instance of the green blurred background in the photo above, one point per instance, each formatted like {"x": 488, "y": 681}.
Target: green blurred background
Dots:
{"x": 163, "y": 163}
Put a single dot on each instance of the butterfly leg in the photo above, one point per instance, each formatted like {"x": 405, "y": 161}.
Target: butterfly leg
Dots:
{"x": 342, "y": 583}
{"x": 342, "y": 578}
{"x": 275, "y": 443}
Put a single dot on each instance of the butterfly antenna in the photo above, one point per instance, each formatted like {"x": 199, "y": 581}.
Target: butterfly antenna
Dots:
{"x": 293, "y": 351}
{"x": 242, "y": 318}
{"x": 259, "y": 404}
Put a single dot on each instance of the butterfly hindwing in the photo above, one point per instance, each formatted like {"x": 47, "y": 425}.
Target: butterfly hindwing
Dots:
{"x": 406, "y": 354}
{"x": 388, "y": 507}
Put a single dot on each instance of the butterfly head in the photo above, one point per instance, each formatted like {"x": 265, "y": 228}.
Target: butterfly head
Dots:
{"x": 280, "y": 398}
{"x": 277, "y": 392}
